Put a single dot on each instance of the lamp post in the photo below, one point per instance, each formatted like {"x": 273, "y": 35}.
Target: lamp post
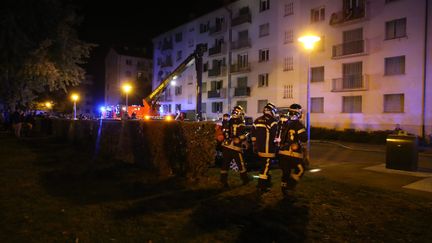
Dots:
{"x": 126, "y": 87}
{"x": 75, "y": 98}
{"x": 308, "y": 42}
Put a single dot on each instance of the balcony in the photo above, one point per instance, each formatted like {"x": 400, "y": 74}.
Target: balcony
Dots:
{"x": 348, "y": 16}
{"x": 235, "y": 68}
{"x": 217, "y": 71}
{"x": 217, "y": 28}
{"x": 241, "y": 43}
{"x": 167, "y": 45}
{"x": 350, "y": 83}
{"x": 218, "y": 93}
{"x": 242, "y": 91}
{"x": 217, "y": 49}
{"x": 243, "y": 17}
{"x": 166, "y": 63}
{"x": 349, "y": 48}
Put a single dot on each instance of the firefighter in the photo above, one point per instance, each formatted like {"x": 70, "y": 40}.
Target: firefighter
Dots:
{"x": 232, "y": 146}
{"x": 263, "y": 136}
{"x": 225, "y": 126}
{"x": 291, "y": 152}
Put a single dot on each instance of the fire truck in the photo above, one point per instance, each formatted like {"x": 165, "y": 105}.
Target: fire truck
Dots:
{"x": 150, "y": 108}
{"x": 151, "y": 105}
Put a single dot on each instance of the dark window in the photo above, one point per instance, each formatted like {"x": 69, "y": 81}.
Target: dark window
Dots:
{"x": 396, "y": 28}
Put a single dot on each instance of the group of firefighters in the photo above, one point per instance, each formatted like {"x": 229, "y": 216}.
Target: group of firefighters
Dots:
{"x": 274, "y": 136}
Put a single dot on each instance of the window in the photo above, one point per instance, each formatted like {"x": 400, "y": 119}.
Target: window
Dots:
{"x": 394, "y": 103}
{"x": 190, "y": 79}
{"x": 263, "y": 55}
{"x": 178, "y": 107}
{"x": 178, "y": 90}
{"x": 317, "y": 105}
{"x": 317, "y": 74}
{"x": 204, "y": 27}
{"x": 288, "y": 64}
{"x": 289, "y": 36}
{"x": 242, "y": 60}
{"x": 242, "y": 82}
{"x": 352, "y": 104}
{"x": 203, "y": 107}
{"x": 128, "y": 62}
{"x": 179, "y": 55}
{"x": 317, "y": 14}
{"x": 288, "y": 91}
{"x": 394, "y": 65}
{"x": 189, "y": 99}
{"x": 261, "y": 104}
{"x": 264, "y": 30}
{"x": 320, "y": 45}
{"x": 264, "y": 5}
{"x": 178, "y": 37}
{"x": 166, "y": 108}
{"x": 242, "y": 103}
{"x": 263, "y": 80}
{"x": 217, "y": 107}
{"x": 396, "y": 29}
{"x": 390, "y": 1}
{"x": 216, "y": 85}
{"x": 289, "y": 9}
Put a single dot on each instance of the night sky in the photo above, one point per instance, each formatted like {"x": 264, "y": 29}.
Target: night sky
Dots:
{"x": 132, "y": 23}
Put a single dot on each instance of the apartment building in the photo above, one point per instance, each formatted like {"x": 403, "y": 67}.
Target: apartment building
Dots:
{"x": 370, "y": 71}
{"x": 124, "y": 64}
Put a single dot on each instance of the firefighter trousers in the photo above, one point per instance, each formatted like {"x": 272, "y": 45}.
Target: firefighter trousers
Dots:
{"x": 264, "y": 181}
{"x": 293, "y": 169}
{"x": 236, "y": 155}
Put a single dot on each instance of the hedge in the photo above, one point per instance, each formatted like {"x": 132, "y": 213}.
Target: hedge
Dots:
{"x": 185, "y": 149}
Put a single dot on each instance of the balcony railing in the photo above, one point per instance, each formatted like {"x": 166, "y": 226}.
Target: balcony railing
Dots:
{"x": 241, "y": 43}
{"x": 349, "y": 48}
{"x": 218, "y": 49}
{"x": 244, "y": 17}
{"x": 235, "y": 68}
{"x": 348, "y": 16}
{"x": 217, "y": 28}
{"x": 350, "y": 83}
{"x": 242, "y": 91}
{"x": 217, "y": 71}
{"x": 218, "y": 93}
{"x": 167, "y": 62}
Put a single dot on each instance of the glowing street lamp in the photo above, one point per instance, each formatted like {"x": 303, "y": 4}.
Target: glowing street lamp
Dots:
{"x": 48, "y": 104}
{"x": 127, "y": 88}
{"x": 75, "y": 98}
{"x": 308, "y": 42}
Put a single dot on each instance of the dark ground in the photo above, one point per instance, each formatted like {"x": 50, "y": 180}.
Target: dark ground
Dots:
{"x": 53, "y": 193}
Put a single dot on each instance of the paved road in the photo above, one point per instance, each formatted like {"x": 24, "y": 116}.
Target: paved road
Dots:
{"x": 365, "y": 165}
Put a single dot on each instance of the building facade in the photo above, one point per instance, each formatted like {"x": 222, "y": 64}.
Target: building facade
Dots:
{"x": 123, "y": 65}
{"x": 370, "y": 71}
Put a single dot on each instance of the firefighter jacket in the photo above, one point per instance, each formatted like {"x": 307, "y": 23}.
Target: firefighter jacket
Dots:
{"x": 237, "y": 134}
{"x": 226, "y": 129}
{"x": 263, "y": 135}
{"x": 292, "y": 136}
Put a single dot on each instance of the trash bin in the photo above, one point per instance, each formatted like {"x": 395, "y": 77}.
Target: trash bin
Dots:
{"x": 402, "y": 152}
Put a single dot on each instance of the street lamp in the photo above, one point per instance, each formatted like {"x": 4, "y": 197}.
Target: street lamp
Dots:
{"x": 126, "y": 87}
{"x": 48, "y": 105}
{"x": 308, "y": 42}
{"x": 75, "y": 98}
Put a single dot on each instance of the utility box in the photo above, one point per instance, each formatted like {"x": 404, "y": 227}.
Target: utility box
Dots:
{"x": 402, "y": 152}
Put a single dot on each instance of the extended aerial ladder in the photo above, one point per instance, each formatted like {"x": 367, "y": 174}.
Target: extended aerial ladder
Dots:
{"x": 196, "y": 57}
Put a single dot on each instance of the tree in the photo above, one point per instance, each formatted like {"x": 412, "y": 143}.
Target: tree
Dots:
{"x": 39, "y": 49}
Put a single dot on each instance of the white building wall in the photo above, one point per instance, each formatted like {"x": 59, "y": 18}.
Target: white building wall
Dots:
{"x": 377, "y": 49}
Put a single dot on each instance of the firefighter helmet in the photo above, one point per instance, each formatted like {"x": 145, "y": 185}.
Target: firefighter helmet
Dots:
{"x": 237, "y": 111}
{"x": 270, "y": 109}
{"x": 295, "y": 111}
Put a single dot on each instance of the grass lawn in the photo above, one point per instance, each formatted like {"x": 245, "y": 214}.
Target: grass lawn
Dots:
{"x": 53, "y": 193}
